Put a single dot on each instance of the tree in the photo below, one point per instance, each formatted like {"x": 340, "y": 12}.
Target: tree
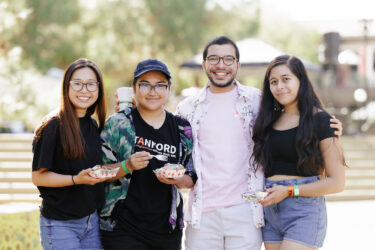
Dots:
{"x": 178, "y": 26}
{"x": 238, "y": 22}
{"x": 116, "y": 34}
{"x": 47, "y": 35}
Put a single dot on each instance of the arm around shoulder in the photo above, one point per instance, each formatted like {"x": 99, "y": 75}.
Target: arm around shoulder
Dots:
{"x": 186, "y": 137}
{"x": 334, "y": 164}
{"x": 117, "y": 138}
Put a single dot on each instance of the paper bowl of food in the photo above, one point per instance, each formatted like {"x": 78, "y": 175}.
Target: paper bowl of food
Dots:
{"x": 256, "y": 196}
{"x": 103, "y": 171}
{"x": 170, "y": 170}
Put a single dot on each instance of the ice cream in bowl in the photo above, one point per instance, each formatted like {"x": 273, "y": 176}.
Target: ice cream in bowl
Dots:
{"x": 103, "y": 171}
{"x": 170, "y": 170}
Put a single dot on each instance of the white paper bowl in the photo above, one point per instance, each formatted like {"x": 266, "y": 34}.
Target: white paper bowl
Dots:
{"x": 170, "y": 171}
{"x": 100, "y": 172}
{"x": 257, "y": 196}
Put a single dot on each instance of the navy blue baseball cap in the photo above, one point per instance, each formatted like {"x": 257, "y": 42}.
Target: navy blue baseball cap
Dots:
{"x": 151, "y": 65}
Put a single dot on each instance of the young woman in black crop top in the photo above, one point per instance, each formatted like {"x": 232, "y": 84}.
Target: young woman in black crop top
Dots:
{"x": 65, "y": 147}
{"x": 296, "y": 146}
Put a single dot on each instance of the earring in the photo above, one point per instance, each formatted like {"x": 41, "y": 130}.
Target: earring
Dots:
{"x": 276, "y": 106}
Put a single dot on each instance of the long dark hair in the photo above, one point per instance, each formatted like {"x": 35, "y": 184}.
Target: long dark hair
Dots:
{"x": 310, "y": 160}
{"x": 70, "y": 133}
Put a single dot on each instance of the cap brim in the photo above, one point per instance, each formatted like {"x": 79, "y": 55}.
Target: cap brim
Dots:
{"x": 148, "y": 70}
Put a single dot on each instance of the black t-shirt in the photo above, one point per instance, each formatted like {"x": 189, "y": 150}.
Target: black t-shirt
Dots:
{"x": 70, "y": 202}
{"x": 283, "y": 146}
{"x": 147, "y": 206}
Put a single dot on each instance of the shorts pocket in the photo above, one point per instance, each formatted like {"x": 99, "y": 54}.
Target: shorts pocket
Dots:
{"x": 308, "y": 200}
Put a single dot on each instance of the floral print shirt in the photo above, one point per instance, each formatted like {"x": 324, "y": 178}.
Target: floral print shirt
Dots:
{"x": 194, "y": 109}
{"x": 118, "y": 142}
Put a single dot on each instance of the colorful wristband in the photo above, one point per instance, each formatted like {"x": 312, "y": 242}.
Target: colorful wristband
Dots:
{"x": 124, "y": 167}
{"x": 296, "y": 190}
{"x": 290, "y": 191}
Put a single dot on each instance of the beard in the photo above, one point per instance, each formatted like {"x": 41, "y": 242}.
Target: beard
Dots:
{"x": 221, "y": 85}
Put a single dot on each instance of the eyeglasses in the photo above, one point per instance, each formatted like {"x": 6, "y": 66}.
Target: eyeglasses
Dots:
{"x": 227, "y": 60}
{"x": 78, "y": 86}
{"x": 146, "y": 88}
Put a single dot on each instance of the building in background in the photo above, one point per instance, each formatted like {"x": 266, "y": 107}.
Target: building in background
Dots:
{"x": 348, "y": 78}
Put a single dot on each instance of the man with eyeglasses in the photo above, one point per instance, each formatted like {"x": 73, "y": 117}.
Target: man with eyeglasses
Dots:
{"x": 222, "y": 115}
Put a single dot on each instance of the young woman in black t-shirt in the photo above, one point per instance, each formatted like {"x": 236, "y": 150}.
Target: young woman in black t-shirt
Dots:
{"x": 296, "y": 146}
{"x": 65, "y": 147}
{"x": 143, "y": 209}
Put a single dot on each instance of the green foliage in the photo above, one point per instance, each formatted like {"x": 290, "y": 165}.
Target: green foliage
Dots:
{"x": 177, "y": 24}
{"x": 133, "y": 30}
{"x": 43, "y": 33}
{"x": 116, "y": 34}
{"x": 240, "y": 22}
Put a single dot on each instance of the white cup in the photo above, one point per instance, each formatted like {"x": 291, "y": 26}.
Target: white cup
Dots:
{"x": 125, "y": 95}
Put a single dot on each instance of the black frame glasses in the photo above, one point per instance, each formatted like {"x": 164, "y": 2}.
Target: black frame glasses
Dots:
{"x": 227, "y": 60}
{"x": 146, "y": 87}
{"x": 90, "y": 86}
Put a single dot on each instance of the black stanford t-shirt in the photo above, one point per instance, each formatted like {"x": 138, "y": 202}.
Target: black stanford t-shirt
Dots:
{"x": 147, "y": 206}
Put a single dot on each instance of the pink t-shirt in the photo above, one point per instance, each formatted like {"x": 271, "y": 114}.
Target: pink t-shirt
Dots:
{"x": 224, "y": 151}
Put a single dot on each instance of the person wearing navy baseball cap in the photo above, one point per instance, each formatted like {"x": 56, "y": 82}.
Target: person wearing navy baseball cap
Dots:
{"x": 144, "y": 209}
{"x": 151, "y": 65}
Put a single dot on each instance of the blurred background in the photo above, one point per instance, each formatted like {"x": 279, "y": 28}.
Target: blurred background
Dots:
{"x": 40, "y": 38}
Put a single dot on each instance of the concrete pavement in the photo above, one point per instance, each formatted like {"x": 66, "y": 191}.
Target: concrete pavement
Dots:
{"x": 351, "y": 225}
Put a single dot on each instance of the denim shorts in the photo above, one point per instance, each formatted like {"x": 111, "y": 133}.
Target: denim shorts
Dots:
{"x": 299, "y": 219}
{"x": 70, "y": 234}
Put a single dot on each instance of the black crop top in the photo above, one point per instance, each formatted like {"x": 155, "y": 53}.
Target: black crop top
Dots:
{"x": 284, "y": 155}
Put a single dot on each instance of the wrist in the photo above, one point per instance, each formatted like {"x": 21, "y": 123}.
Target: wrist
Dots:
{"x": 296, "y": 190}
{"x": 293, "y": 190}
{"x": 125, "y": 167}
{"x": 290, "y": 192}
{"x": 73, "y": 180}
{"x": 129, "y": 165}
